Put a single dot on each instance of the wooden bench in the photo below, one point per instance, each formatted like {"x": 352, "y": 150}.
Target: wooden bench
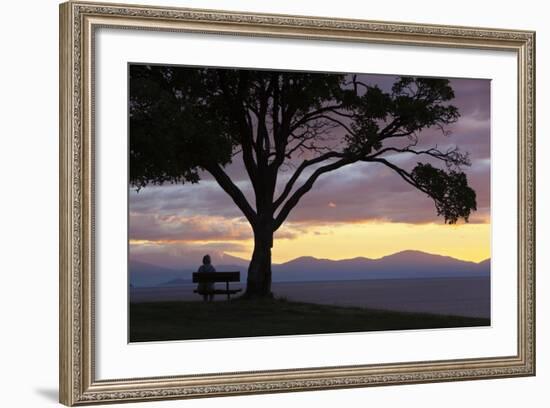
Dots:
{"x": 212, "y": 277}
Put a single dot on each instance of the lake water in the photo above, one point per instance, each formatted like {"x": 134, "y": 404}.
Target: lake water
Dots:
{"x": 456, "y": 296}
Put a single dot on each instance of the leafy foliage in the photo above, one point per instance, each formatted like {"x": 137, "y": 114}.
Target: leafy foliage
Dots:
{"x": 453, "y": 197}
{"x": 183, "y": 120}
{"x": 174, "y": 127}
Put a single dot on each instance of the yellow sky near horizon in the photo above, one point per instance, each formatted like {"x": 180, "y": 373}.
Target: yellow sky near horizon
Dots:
{"x": 469, "y": 242}
{"x": 373, "y": 239}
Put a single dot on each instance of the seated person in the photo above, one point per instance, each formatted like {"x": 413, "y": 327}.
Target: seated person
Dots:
{"x": 206, "y": 289}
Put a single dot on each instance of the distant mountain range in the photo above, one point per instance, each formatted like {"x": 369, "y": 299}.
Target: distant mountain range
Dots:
{"x": 405, "y": 264}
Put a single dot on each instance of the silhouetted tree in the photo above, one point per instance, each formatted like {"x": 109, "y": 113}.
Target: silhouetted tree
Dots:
{"x": 184, "y": 120}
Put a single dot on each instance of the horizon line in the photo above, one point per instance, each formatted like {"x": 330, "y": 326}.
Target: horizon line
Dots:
{"x": 371, "y": 259}
{"x": 340, "y": 259}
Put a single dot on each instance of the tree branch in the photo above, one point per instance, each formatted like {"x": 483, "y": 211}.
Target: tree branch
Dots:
{"x": 337, "y": 122}
{"x": 402, "y": 173}
{"x": 450, "y": 157}
{"x": 308, "y": 116}
{"x": 300, "y": 192}
{"x": 245, "y": 134}
{"x": 298, "y": 172}
{"x": 233, "y": 191}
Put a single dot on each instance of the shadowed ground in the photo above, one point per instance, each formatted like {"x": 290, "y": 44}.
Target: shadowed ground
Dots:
{"x": 157, "y": 321}
{"x": 468, "y": 296}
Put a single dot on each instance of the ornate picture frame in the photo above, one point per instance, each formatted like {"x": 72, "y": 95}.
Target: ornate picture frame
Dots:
{"x": 79, "y": 22}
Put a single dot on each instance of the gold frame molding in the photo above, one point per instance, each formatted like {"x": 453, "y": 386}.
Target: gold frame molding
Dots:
{"x": 78, "y": 22}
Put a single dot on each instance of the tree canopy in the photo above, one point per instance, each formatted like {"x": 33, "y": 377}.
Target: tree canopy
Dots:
{"x": 183, "y": 120}
{"x": 186, "y": 120}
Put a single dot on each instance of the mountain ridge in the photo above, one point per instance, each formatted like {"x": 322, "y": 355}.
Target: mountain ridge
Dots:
{"x": 403, "y": 264}
{"x": 406, "y": 251}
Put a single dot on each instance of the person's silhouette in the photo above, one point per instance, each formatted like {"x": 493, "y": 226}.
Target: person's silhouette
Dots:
{"x": 206, "y": 288}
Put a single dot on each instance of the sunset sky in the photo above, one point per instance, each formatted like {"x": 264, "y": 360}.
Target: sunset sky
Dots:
{"x": 364, "y": 209}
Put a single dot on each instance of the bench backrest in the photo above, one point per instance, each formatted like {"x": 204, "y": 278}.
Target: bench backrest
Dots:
{"x": 216, "y": 277}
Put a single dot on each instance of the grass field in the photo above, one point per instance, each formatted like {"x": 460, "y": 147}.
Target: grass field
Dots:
{"x": 160, "y": 321}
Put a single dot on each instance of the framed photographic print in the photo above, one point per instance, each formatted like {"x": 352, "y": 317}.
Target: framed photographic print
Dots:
{"x": 258, "y": 203}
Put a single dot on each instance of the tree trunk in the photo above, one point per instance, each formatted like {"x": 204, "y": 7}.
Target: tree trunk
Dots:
{"x": 258, "y": 284}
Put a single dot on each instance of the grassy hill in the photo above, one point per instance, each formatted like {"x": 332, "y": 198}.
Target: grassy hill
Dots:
{"x": 160, "y": 321}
